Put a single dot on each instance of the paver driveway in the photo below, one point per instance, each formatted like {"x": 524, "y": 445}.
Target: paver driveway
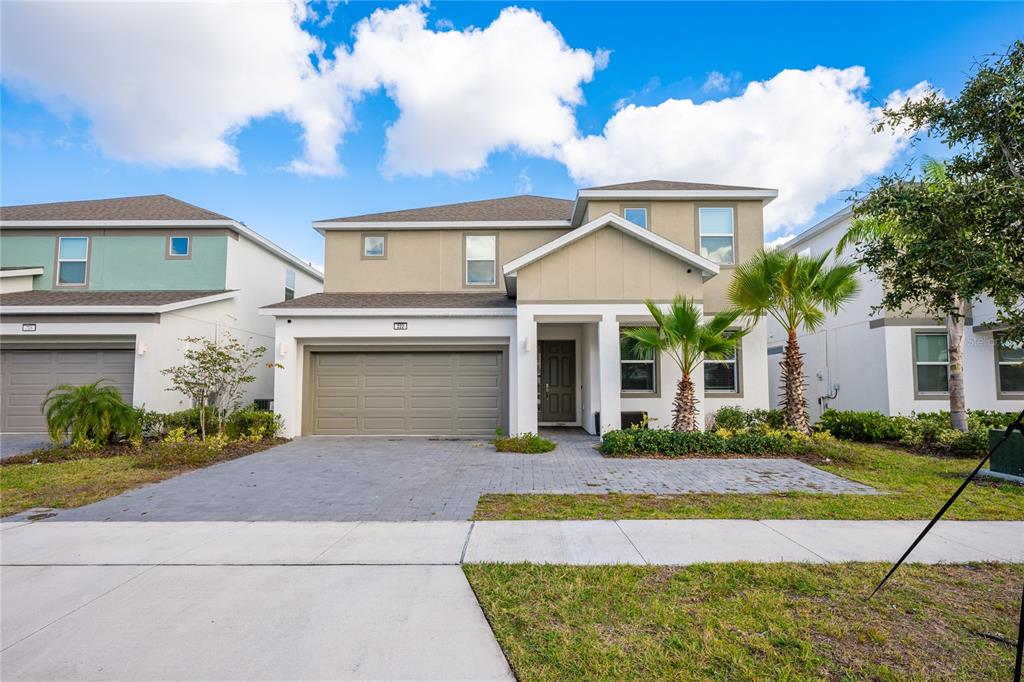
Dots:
{"x": 380, "y": 479}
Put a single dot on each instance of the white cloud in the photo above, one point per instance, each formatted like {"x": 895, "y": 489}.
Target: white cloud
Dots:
{"x": 466, "y": 94}
{"x": 166, "y": 84}
{"x": 779, "y": 241}
{"x": 807, "y": 133}
{"x": 524, "y": 184}
{"x": 716, "y": 82}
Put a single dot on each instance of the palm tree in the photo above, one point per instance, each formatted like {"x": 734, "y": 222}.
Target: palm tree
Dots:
{"x": 797, "y": 291}
{"x": 681, "y": 333}
{"x": 867, "y": 229}
{"x": 88, "y": 413}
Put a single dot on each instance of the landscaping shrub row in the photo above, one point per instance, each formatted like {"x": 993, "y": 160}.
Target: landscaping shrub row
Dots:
{"x": 928, "y": 430}
{"x": 754, "y": 441}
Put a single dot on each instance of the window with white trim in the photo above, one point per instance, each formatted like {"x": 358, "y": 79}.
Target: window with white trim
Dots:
{"x": 481, "y": 259}
{"x": 931, "y": 362}
{"x": 289, "y": 285}
{"x": 1010, "y": 366}
{"x": 638, "y": 376}
{"x": 179, "y": 246}
{"x": 717, "y": 242}
{"x": 72, "y": 261}
{"x": 723, "y": 375}
{"x": 637, "y": 216}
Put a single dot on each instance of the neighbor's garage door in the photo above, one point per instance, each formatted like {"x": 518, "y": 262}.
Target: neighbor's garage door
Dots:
{"x": 28, "y": 374}
{"x": 421, "y": 393}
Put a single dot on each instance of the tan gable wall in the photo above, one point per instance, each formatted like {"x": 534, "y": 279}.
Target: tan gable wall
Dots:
{"x": 419, "y": 260}
{"x": 607, "y": 265}
{"x": 677, "y": 221}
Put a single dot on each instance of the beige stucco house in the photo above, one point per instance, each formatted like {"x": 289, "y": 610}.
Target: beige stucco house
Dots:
{"x": 506, "y": 313}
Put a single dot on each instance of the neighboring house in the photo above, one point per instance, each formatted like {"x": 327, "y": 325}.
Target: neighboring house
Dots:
{"x": 107, "y": 288}
{"x": 506, "y": 313}
{"x": 895, "y": 363}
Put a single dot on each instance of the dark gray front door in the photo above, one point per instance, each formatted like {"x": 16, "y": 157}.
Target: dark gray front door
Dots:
{"x": 557, "y": 381}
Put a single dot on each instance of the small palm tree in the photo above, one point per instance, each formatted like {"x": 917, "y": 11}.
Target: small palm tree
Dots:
{"x": 797, "y": 291}
{"x": 681, "y": 333}
{"x": 88, "y": 413}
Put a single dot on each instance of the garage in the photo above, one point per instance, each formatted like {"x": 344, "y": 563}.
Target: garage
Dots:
{"x": 28, "y": 374}
{"x": 452, "y": 393}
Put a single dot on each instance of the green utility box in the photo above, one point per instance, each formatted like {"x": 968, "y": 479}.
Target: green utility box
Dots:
{"x": 1009, "y": 458}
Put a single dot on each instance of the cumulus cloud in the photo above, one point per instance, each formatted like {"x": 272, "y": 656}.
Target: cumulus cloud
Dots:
{"x": 807, "y": 133}
{"x": 166, "y": 84}
{"x": 779, "y": 241}
{"x": 717, "y": 82}
{"x": 465, "y": 94}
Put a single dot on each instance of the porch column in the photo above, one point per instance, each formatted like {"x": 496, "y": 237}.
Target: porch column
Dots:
{"x": 609, "y": 374}
{"x": 524, "y": 408}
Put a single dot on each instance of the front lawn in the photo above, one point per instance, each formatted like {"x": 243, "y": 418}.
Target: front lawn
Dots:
{"x": 62, "y": 478}
{"x": 752, "y": 621}
{"x": 913, "y": 486}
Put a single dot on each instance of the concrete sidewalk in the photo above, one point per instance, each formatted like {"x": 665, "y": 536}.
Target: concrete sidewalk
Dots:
{"x": 455, "y": 542}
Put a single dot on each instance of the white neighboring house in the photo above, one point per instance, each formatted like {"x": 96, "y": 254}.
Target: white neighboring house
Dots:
{"x": 892, "y": 363}
{"x": 107, "y": 288}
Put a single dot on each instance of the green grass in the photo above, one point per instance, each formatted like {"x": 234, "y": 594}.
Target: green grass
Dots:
{"x": 751, "y": 621}
{"x": 914, "y": 487}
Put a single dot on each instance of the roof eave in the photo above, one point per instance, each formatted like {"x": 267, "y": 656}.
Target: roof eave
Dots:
{"x": 324, "y": 226}
{"x": 115, "y": 309}
{"x": 388, "y": 312}
{"x": 585, "y": 195}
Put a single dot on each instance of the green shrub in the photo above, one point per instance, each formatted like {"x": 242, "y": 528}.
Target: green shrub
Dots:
{"x": 773, "y": 419}
{"x": 529, "y": 443}
{"x": 753, "y": 441}
{"x": 175, "y": 453}
{"x": 930, "y": 430}
{"x": 730, "y": 417}
{"x": 866, "y": 427}
{"x": 156, "y": 423}
{"x": 90, "y": 416}
{"x": 734, "y": 418}
{"x": 254, "y": 425}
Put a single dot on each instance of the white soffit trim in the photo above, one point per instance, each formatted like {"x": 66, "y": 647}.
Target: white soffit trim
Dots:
{"x": 612, "y": 220}
{"x": 328, "y": 226}
{"x": 21, "y": 272}
{"x": 114, "y": 309}
{"x": 238, "y": 227}
{"x": 584, "y": 195}
{"x": 401, "y": 313}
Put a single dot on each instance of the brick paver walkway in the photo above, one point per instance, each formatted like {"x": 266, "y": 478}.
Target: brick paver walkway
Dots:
{"x": 381, "y": 479}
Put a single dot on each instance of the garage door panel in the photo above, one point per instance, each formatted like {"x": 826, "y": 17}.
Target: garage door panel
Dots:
{"x": 27, "y": 375}
{"x": 395, "y": 393}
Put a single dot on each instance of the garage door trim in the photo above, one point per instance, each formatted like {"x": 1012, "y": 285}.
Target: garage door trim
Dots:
{"x": 384, "y": 347}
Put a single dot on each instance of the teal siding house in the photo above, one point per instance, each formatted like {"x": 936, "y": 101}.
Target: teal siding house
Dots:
{"x": 108, "y": 288}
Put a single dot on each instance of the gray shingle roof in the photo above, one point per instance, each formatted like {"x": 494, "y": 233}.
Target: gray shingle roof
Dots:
{"x": 152, "y": 207}
{"x": 41, "y": 297}
{"x": 656, "y": 185}
{"x": 398, "y": 300}
{"x": 523, "y": 207}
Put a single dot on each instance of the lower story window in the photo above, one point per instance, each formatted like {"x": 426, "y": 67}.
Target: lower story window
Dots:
{"x": 638, "y": 376}
{"x": 931, "y": 362}
{"x": 1010, "y": 366}
{"x": 722, "y": 376}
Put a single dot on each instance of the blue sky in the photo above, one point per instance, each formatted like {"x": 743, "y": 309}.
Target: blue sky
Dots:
{"x": 64, "y": 132}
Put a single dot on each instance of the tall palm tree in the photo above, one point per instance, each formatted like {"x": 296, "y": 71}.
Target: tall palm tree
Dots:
{"x": 867, "y": 229}
{"x": 797, "y": 291}
{"x": 681, "y": 333}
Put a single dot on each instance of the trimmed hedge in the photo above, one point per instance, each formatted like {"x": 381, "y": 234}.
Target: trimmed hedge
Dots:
{"x": 734, "y": 417}
{"x": 677, "y": 443}
{"x": 930, "y": 430}
{"x": 253, "y": 424}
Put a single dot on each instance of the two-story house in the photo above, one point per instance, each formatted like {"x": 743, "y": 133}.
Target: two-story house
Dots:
{"x": 506, "y": 313}
{"x": 108, "y": 288}
{"x": 895, "y": 362}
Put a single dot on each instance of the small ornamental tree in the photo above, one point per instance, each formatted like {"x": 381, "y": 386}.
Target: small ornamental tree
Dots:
{"x": 214, "y": 374}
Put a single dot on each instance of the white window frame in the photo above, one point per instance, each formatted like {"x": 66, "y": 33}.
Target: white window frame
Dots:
{"x": 493, "y": 261}
{"x": 647, "y": 216}
{"x": 170, "y": 246}
{"x": 289, "y": 274}
{"x": 1000, "y": 391}
{"x": 918, "y": 392}
{"x": 60, "y": 261}
{"x": 701, "y": 233}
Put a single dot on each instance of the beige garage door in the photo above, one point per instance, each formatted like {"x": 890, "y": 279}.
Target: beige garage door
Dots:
{"x": 28, "y": 374}
{"x": 420, "y": 393}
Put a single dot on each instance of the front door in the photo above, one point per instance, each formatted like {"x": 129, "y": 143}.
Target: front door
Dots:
{"x": 557, "y": 381}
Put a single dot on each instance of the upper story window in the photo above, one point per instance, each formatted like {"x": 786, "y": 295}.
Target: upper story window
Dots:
{"x": 374, "y": 246}
{"x": 637, "y": 216}
{"x": 72, "y": 261}
{"x": 179, "y": 246}
{"x": 931, "y": 362}
{"x": 1009, "y": 367}
{"x": 717, "y": 239}
{"x": 481, "y": 259}
{"x": 289, "y": 285}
